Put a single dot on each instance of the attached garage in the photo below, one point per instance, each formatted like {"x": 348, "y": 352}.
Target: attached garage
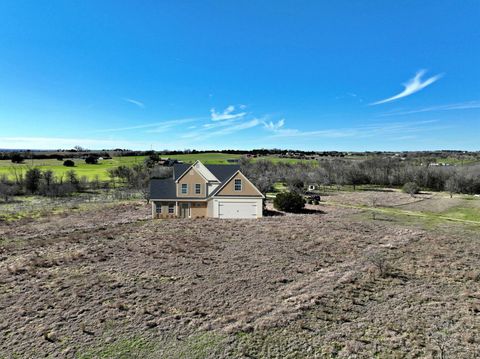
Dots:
{"x": 237, "y": 208}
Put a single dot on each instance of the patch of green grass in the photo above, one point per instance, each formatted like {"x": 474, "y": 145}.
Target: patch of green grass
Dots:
{"x": 197, "y": 346}
{"x": 464, "y": 213}
{"x": 122, "y": 349}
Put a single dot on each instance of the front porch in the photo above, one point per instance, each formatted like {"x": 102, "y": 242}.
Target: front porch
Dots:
{"x": 179, "y": 209}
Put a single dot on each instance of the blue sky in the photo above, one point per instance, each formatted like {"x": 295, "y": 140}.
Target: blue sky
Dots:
{"x": 320, "y": 75}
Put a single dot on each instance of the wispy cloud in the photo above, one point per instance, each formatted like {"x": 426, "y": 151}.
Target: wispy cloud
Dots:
{"x": 272, "y": 126}
{"x": 238, "y": 127}
{"x": 413, "y": 85}
{"x": 154, "y": 127}
{"x": 135, "y": 102}
{"x": 469, "y": 105}
{"x": 370, "y": 130}
{"x": 227, "y": 114}
{"x": 166, "y": 125}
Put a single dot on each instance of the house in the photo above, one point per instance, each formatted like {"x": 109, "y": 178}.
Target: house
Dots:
{"x": 198, "y": 190}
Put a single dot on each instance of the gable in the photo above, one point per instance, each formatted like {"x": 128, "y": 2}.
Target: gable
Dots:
{"x": 204, "y": 171}
{"x": 248, "y": 189}
{"x": 191, "y": 177}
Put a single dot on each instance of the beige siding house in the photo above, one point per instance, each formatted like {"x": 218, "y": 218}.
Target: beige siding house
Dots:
{"x": 198, "y": 190}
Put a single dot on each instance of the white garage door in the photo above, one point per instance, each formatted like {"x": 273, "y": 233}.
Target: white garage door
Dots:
{"x": 237, "y": 209}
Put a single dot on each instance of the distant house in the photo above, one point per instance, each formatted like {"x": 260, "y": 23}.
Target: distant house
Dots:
{"x": 198, "y": 190}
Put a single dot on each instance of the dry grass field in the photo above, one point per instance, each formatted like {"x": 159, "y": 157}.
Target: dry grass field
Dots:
{"x": 107, "y": 282}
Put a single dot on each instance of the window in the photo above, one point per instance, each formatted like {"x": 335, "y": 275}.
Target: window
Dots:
{"x": 171, "y": 208}
{"x": 238, "y": 185}
{"x": 184, "y": 188}
{"x": 159, "y": 208}
{"x": 198, "y": 188}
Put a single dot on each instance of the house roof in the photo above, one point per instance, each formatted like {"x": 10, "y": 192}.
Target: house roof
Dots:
{"x": 163, "y": 188}
{"x": 222, "y": 172}
{"x": 166, "y": 188}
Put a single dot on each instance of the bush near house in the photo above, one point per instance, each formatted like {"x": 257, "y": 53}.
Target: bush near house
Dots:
{"x": 289, "y": 202}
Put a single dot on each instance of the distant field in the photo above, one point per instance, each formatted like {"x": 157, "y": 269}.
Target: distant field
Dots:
{"x": 100, "y": 169}
{"x": 206, "y": 158}
{"x": 81, "y": 168}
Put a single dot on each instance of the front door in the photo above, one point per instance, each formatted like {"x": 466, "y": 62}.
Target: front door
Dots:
{"x": 185, "y": 210}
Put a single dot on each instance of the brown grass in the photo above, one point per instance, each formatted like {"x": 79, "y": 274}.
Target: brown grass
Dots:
{"x": 324, "y": 284}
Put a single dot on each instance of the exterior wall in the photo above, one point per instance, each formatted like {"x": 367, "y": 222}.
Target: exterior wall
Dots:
{"x": 247, "y": 188}
{"x": 211, "y": 186}
{"x": 191, "y": 178}
{"x": 215, "y": 201}
{"x": 210, "y": 208}
{"x": 164, "y": 213}
{"x": 198, "y": 209}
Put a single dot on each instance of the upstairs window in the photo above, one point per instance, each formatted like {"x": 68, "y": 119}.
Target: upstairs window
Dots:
{"x": 238, "y": 185}
{"x": 198, "y": 188}
{"x": 184, "y": 188}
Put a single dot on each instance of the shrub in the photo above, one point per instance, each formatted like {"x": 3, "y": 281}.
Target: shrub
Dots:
{"x": 411, "y": 188}
{"x": 69, "y": 163}
{"x": 316, "y": 203}
{"x": 289, "y": 202}
{"x": 91, "y": 160}
{"x": 16, "y": 158}
{"x": 32, "y": 179}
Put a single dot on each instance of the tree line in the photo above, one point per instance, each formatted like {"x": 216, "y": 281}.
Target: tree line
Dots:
{"x": 388, "y": 172}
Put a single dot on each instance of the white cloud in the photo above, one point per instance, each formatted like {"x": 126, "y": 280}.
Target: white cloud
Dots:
{"x": 135, "y": 102}
{"x": 227, "y": 114}
{"x": 469, "y": 105}
{"x": 413, "y": 85}
{"x": 272, "y": 126}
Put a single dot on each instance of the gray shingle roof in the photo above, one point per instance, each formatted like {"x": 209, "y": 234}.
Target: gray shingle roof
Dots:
{"x": 165, "y": 188}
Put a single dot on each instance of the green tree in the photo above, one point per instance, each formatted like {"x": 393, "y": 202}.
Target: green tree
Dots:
{"x": 32, "y": 179}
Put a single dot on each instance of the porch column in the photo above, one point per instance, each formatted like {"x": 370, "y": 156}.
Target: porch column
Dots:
{"x": 176, "y": 208}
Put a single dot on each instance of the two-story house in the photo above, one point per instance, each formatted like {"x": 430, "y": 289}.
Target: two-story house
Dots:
{"x": 198, "y": 190}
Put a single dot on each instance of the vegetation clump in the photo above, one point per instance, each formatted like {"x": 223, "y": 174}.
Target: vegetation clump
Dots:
{"x": 411, "y": 188}
{"x": 69, "y": 163}
{"x": 289, "y": 202}
{"x": 91, "y": 160}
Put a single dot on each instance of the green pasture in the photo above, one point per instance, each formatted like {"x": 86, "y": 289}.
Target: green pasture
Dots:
{"x": 205, "y": 158}
{"x": 81, "y": 168}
